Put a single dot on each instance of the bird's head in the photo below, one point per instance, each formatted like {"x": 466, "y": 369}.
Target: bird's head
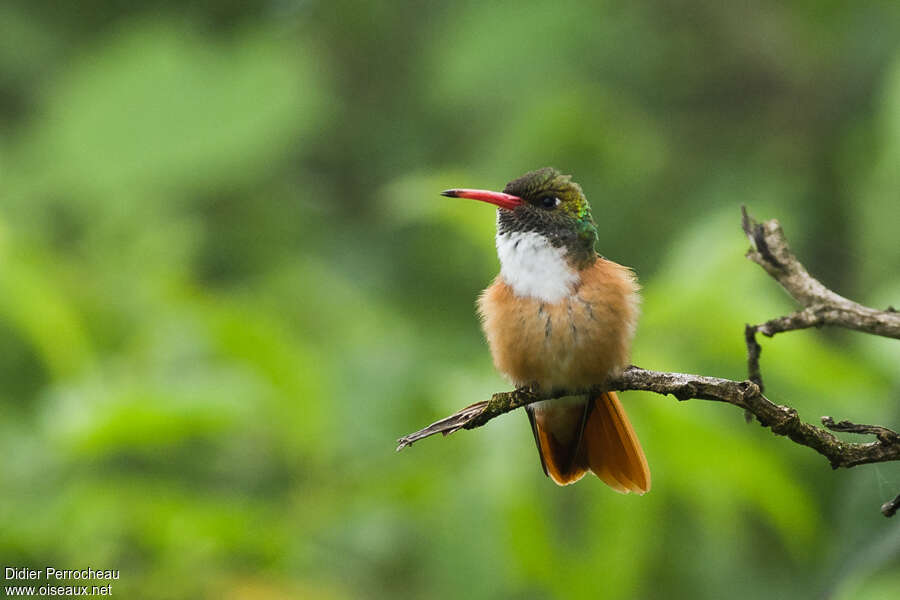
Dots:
{"x": 544, "y": 202}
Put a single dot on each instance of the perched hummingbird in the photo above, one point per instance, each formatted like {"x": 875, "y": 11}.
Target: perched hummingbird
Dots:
{"x": 560, "y": 317}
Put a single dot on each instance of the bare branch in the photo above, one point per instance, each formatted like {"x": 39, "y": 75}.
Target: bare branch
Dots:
{"x": 821, "y": 306}
{"x": 753, "y": 352}
{"x": 882, "y": 433}
{"x": 782, "y": 420}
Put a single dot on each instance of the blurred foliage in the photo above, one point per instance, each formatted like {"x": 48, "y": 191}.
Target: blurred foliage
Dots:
{"x": 227, "y": 284}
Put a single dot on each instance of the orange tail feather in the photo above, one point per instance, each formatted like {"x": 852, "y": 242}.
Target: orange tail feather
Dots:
{"x": 589, "y": 434}
{"x": 557, "y": 426}
{"x": 611, "y": 448}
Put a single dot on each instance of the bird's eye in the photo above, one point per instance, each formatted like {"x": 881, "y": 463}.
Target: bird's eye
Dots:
{"x": 550, "y": 201}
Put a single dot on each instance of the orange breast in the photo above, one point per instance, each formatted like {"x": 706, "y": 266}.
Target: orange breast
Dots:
{"x": 571, "y": 344}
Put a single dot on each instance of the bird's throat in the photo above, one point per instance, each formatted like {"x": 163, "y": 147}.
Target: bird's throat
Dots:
{"x": 534, "y": 268}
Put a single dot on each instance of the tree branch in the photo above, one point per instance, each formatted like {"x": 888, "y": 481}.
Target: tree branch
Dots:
{"x": 782, "y": 420}
{"x": 821, "y": 307}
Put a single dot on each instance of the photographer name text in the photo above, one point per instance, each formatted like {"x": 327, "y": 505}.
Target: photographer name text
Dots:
{"x": 52, "y": 574}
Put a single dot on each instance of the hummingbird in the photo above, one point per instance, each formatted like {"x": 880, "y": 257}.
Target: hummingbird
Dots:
{"x": 560, "y": 318}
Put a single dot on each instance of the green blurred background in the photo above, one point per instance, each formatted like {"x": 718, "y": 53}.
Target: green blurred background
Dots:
{"x": 228, "y": 284}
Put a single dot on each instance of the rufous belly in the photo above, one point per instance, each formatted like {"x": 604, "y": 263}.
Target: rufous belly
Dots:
{"x": 571, "y": 344}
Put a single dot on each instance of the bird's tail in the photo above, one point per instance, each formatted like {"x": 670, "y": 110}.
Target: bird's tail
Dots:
{"x": 578, "y": 434}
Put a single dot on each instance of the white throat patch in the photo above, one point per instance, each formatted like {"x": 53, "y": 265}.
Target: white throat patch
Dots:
{"x": 532, "y": 267}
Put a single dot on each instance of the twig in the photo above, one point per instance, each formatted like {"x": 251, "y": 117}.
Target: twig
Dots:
{"x": 882, "y": 433}
{"x": 753, "y": 352}
{"x": 821, "y": 306}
